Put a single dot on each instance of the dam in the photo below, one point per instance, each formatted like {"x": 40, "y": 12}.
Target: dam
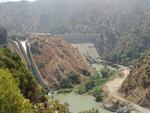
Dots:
{"x": 79, "y": 38}
{"x": 84, "y": 43}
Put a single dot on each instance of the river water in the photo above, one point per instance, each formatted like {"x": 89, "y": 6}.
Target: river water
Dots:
{"x": 79, "y": 103}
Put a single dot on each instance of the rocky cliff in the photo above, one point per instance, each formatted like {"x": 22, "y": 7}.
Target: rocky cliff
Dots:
{"x": 56, "y": 60}
{"x": 137, "y": 86}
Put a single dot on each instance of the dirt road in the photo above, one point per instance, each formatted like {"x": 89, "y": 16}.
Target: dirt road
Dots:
{"x": 113, "y": 86}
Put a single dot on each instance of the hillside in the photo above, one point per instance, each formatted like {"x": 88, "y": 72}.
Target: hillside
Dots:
{"x": 57, "y": 60}
{"x": 19, "y": 90}
{"x": 117, "y": 21}
{"x": 137, "y": 85}
{"x": 129, "y": 48}
{"x": 3, "y": 36}
{"x": 75, "y": 16}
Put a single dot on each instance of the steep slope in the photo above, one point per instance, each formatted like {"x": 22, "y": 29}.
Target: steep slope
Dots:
{"x": 54, "y": 16}
{"x": 129, "y": 48}
{"x": 56, "y": 59}
{"x": 23, "y": 77}
{"x": 137, "y": 85}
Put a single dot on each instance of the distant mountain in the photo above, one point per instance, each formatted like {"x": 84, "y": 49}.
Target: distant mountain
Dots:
{"x": 53, "y": 16}
{"x": 124, "y": 25}
{"x": 74, "y": 16}
{"x": 137, "y": 85}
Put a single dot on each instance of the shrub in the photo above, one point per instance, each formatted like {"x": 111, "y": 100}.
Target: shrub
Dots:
{"x": 65, "y": 83}
{"x": 11, "y": 99}
{"x": 23, "y": 77}
{"x": 64, "y": 91}
{"x": 74, "y": 77}
{"x": 106, "y": 72}
{"x": 91, "y": 111}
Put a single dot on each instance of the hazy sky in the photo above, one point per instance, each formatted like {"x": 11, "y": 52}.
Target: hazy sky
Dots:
{"x": 15, "y": 0}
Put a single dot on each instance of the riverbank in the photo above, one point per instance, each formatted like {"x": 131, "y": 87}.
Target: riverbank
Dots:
{"x": 88, "y": 94}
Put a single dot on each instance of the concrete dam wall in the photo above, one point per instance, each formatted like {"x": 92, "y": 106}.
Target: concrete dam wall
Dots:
{"x": 80, "y": 38}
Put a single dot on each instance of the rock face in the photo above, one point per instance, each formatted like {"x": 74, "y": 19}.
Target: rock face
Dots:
{"x": 56, "y": 58}
{"x": 136, "y": 87}
{"x": 117, "y": 106}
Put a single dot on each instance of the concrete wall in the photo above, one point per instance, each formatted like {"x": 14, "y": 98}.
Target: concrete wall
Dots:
{"x": 80, "y": 38}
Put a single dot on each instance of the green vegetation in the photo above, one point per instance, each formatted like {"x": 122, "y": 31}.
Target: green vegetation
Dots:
{"x": 93, "y": 85}
{"x": 65, "y": 83}
{"x": 72, "y": 79}
{"x": 52, "y": 107}
{"x": 125, "y": 32}
{"x": 3, "y": 36}
{"x": 148, "y": 72}
{"x": 19, "y": 91}
{"x": 64, "y": 90}
{"x": 91, "y": 111}
{"x": 129, "y": 48}
{"x": 24, "y": 79}
{"x": 106, "y": 72}
{"x": 11, "y": 99}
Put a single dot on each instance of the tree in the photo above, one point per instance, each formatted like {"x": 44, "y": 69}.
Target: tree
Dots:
{"x": 74, "y": 77}
{"x": 3, "y": 36}
{"x": 23, "y": 77}
{"x": 11, "y": 99}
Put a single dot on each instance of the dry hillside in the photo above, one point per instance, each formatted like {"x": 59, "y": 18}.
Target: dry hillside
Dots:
{"x": 56, "y": 59}
{"x": 137, "y": 86}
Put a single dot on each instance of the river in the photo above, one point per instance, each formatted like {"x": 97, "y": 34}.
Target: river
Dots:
{"x": 79, "y": 103}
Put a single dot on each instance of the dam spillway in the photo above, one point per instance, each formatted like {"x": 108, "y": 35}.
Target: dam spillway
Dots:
{"x": 22, "y": 48}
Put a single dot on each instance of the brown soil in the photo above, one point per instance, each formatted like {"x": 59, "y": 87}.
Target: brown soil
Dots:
{"x": 56, "y": 58}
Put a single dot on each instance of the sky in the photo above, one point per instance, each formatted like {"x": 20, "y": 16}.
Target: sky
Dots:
{"x": 15, "y": 0}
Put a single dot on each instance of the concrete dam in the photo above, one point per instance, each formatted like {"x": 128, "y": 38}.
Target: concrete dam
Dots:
{"x": 80, "y": 38}
{"x": 85, "y": 43}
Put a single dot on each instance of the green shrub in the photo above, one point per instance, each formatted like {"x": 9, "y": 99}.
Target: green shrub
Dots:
{"x": 148, "y": 72}
{"x": 23, "y": 77}
{"x": 11, "y": 99}
{"x": 91, "y": 111}
{"x": 65, "y": 83}
{"x": 64, "y": 91}
{"x": 106, "y": 72}
{"x": 74, "y": 77}
{"x": 94, "y": 84}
